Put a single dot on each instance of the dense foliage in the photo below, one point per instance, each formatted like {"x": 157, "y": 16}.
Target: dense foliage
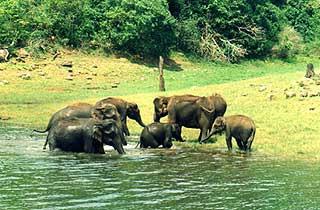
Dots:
{"x": 224, "y": 30}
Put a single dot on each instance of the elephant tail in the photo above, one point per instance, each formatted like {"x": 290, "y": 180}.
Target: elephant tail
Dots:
{"x": 46, "y": 130}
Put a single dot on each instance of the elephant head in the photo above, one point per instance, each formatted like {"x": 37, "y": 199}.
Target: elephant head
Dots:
{"x": 109, "y": 111}
{"x": 160, "y": 107}
{"x": 107, "y": 132}
{"x": 218, "y": 126}
{"x": 133, "y": 112}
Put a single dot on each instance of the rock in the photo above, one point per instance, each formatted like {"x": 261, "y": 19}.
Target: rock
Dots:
{"x": 304, "y": 93}
{"x": 262, "y": 88}
{"x": 5, "y": 118}
{"x": 20, "y": 60}
{"x": 67, "y": 64}
{"x": 114, "y": 86}
{"x": 317, "y": 82}
{"x": 1, "y": 69}
{"x": 88, "y": 78}
{"x": 69, "y": 77}
{"x": 25, "y": 76}
{"x": 312, "y": 108}
{"x": 95, "y": 66}
{"x": 41, "y": 73}
{"x": 244, "y": 94}
{"x": 313, "y": 94}
{"x": 94, "y": 74}
{"x": 34, "y": 66}
{"x": 22, "y": 53}
{"x": 117, "y": 83}
{"x": 271, "y": 97}
{"x": 290, "y": 94}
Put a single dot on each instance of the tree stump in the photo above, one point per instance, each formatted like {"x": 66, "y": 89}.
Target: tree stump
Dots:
{"x": 310, "y": 72}
{"x": 161, "y": 79}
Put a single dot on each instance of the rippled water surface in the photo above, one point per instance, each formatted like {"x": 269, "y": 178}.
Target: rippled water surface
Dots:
{"x": 149, "y": 179}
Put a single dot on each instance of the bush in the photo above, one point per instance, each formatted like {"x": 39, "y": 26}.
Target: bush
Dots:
{"x": 290, "y": 43}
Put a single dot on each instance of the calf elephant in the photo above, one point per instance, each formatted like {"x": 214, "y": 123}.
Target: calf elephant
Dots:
{"x": 199, "y": 113}
{"x": 157, "y": 134}
{"x": 125, "y": 109}
{"x": 84, "y": 110}
{"x": 240, "y": 127}
{"x": 85, "y": 135}
{"x": 161, "y": 104}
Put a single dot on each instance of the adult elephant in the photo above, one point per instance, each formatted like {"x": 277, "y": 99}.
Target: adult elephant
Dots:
{"x": 85, "y": 135}
{"x": 199, "y": 113}
{"x": 161, "y": 104}
{"x": 85, "y": 110}
{"x": 125, "y": 109}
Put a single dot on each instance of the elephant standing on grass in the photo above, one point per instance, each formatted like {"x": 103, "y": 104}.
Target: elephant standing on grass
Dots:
{"x": 161, "y": 104}
{"x": 240, "y": 127}
{"x": 85, "y": 135}
{"x": 84, "y": 110}
{"x": 157, "y": 134}
{"x": 125, "y": 109}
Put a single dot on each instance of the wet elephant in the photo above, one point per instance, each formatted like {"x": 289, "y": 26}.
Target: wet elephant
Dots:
{"x": 84, "y": 110}
{"x": 161, "y": 104}
{"x": 85, "y": 135}
{"x": 125, "y": 109}
{"x": 199, "y": 113}
{"x": 157, "y": 134}
{"x": 240, "y": 127}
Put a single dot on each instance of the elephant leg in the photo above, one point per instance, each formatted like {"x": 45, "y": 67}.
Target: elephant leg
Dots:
{"x": 148, "y": 141}
{"x": 125, "y": 128}
{"x": 45, "y": 144}
{"x": 250, "y": 140}
{"x": 228, "y": 140}
{"x": 240, "y": 144}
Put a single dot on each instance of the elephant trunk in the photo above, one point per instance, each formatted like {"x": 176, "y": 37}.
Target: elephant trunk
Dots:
{"x": 156, "y": 117}
{"x": 118, "y": 145}
{"x": 139, "y": 120}
{"x": 207, "y": 137}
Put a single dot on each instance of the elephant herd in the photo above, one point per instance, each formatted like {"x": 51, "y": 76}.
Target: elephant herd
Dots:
{"x": 86, "y": 128}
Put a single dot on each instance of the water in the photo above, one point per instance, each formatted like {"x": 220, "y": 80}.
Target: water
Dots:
{"x": 149, "y": 179}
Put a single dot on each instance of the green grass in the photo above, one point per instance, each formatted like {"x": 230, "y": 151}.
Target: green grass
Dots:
{"x": 285, "y": 127}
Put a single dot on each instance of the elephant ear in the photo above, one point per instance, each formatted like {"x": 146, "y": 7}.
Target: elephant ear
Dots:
{"x": 97, "y": 133}
{"x": 156, "y": 101}
{"x": 220, "y": 122}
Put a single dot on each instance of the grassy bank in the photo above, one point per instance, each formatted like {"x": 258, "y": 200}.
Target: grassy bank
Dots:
{"x": 285, "y": 127}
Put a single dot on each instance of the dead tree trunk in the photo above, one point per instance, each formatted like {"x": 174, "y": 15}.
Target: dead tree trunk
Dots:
{"x": 310, "y": 72}
{"x": 161, "y": 79}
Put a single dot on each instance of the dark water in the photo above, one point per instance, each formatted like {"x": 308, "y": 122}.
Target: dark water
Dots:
{"x": 149, "y": 179}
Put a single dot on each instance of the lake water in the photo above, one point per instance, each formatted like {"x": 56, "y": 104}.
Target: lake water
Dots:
{"x": 31, "y": 178}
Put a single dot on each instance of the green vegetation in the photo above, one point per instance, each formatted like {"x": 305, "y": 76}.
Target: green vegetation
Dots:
{"x": 221, "y": 30}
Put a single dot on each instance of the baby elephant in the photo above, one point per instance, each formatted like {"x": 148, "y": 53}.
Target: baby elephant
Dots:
{"x": 241, "y": 127}
{"x": 156, "y": 134}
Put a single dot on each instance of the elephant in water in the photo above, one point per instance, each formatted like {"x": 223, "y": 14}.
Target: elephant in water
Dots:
{"x": 199, "y": 113}
{"x": 157, "y": 134}
{"x": 125, "y": 109}
{"x": 240, "y": 127}
{"x": 85, "y": 135}
{"x": 84, "y": 110}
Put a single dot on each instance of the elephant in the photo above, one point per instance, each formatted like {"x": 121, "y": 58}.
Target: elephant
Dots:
{"x": 156, "y": 134}
{"x": 161, "y": 103}
{"x": 125, "y": 109}
{"x": 199, "y": 113}
{"x": 84, "y": 110}
{"x": 240, "y": 127}
{"x": 85, "y": 135}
